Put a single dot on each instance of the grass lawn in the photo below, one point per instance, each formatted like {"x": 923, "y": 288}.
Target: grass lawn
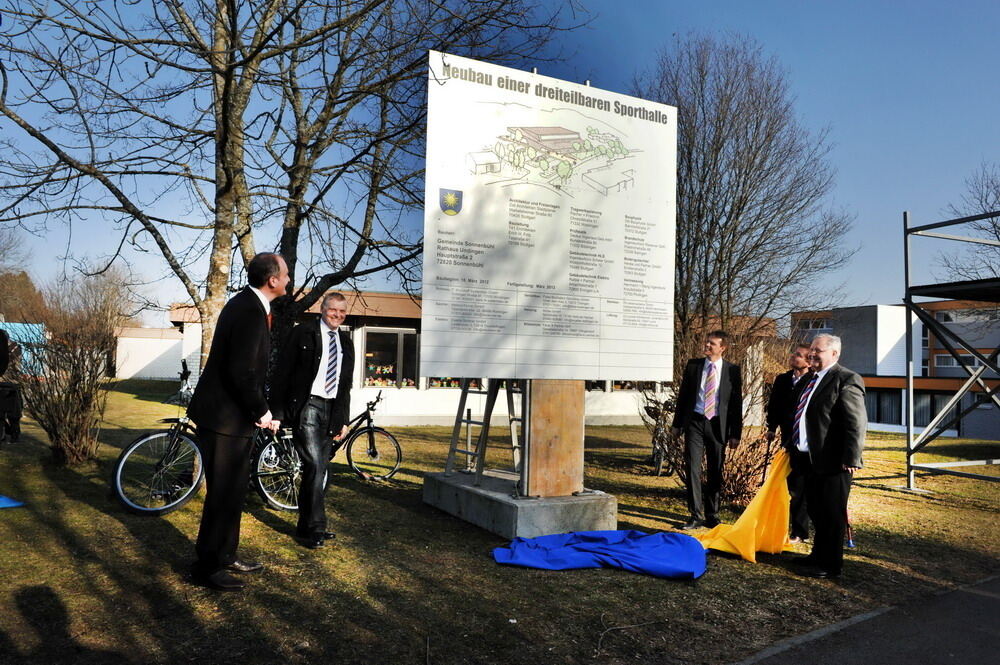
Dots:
{"x": 82, "y": 581}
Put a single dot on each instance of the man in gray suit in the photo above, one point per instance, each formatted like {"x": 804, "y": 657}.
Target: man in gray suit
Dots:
{"x": 829, "y": 425}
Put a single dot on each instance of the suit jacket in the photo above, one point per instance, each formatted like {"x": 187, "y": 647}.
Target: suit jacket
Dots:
{"x": 229, "y": 397}
{"x": 781, "y": 404}
{"x": 730, "y": 397}
{"x": 297, "y": 366}
{"x": 836, "y": 421}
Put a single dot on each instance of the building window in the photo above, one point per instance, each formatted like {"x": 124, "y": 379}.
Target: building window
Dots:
{"x": 633, "y": 385}
{"x": 451, "y": 382}
{"x": 884, "y": 406}
{"x": 968, "y": 315}
{"x": 390, "y": 358}
{"x": 948, "y": 360}
{"x": 926, "y": 405}
{"x": 599, "y": 386}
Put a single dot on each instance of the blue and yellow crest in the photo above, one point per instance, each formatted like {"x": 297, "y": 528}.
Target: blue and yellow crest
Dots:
{"x": 451, "y": 201}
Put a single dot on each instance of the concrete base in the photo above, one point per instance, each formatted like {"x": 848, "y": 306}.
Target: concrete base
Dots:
{"x": 493, "y": 507}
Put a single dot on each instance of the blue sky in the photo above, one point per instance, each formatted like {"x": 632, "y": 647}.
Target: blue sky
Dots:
{"x": 909, "y": 91}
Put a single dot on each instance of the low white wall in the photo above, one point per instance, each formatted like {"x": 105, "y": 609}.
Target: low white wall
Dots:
{"x": 439, "y": 406}
{"x": 148, "y": 358}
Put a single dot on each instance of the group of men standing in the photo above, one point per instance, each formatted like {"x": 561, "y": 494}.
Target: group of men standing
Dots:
{"x": 310, "y": 389}
{"x": 819, "y": 407}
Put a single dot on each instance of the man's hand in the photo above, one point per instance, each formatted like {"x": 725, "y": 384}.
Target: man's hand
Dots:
{"x": 851, "y": 469}
{"x": 769, "y": 437}
{"x": 733, "y": 444}
{"x": 267, "y": 422}
{"x": 343, "y": 433}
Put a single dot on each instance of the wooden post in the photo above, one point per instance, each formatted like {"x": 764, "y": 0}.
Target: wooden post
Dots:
{"x": 555, "y": 448}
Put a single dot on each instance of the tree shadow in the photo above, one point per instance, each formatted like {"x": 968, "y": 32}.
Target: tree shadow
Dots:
{"x": 42, "y": 609}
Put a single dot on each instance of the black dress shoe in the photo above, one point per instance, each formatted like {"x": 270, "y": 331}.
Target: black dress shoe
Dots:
{"x": 819, "y": 573}
{"x": 693, "y": 524}
{"x": 220, "y": 580}
{"x": 314, "y": 542}
{"x": 326, "y": 535}
{"x": 245, "y": 566}
{"x": 712, "y": 522}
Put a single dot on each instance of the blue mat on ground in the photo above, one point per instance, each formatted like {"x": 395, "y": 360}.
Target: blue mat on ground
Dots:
{"x": 671, "y": 555}
{"x": 7, "y": 502}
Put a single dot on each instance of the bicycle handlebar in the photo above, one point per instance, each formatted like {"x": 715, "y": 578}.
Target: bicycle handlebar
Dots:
{"x": 378, "y": 398}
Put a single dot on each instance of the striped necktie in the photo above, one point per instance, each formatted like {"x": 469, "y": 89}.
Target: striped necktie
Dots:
{"x": 331, "y": 365}
{"x": 711, "y": 388}
{"x": 801, "y": 409}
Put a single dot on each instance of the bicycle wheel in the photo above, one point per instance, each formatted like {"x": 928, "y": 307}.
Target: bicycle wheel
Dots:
{"x": 658, "y": 459}
{"x": 158, "y": 473}
{"x": 277, "y": 474}
{"x": 374, "y": 452}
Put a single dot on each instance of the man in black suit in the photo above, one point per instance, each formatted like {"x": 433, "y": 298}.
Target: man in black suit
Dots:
{"x": 781, "y": 413}
{"x": 710, "y": 414}
{"x": 227, "y": 406}
{"x": 829, "y": 426}
{"x": 312, "y": 390}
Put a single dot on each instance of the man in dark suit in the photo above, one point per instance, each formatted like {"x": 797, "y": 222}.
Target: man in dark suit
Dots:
{"x": 312, "y": 390}
{"x": 227, "y": 406}
{"x": 830, "y": 424}
{"x": 781, "y": 413}
{"x": 710, "y": 414}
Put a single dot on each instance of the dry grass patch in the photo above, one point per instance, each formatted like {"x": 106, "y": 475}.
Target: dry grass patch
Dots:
{"x": 81, "y": 581}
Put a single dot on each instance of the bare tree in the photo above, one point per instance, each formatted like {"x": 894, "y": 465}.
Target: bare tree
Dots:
{"x": 982, "y": 196}
{"x": 753, "y": 233}
{"x": 63, "y": 369}
{"x": 195, "y": 128}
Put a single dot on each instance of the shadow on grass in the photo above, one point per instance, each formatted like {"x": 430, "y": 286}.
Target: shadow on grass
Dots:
{"x": 407, "y": 583}
{"x": 42, "y": 609}
{"x": 146, "y": 389}
{"x": 592, "y": 442}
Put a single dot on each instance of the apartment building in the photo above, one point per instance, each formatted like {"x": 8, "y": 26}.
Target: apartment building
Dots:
{"x": 874, "y": 339}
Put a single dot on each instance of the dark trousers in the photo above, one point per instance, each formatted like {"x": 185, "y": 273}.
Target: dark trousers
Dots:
{"x": 797, "y": 489}
{"x": 826, "y": 497}
{"x": 313, "y": 445}
{"x": 227, "y": 472}
{"x": 702, "y": 438}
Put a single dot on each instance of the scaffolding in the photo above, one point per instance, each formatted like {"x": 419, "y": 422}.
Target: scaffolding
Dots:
{"x": 965, "y": 353}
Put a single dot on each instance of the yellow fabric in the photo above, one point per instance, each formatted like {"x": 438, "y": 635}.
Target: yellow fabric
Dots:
{"x": 763, "y": 526}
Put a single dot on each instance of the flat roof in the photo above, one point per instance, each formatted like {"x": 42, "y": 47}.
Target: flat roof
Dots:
{"x": 983, "y": 290}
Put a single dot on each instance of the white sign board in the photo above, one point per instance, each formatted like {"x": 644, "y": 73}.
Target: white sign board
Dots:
{"x": 548, "y": 229}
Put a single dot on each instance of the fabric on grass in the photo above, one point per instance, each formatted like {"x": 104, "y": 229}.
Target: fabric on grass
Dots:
{"x": 7, "y": 502}
{"x": 670, "y": 555}
{"x": 763, "y": 526}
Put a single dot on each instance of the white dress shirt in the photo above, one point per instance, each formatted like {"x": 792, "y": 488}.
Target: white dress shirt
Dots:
{"x": 699, "y": 405}
{"x": 803, "y": 435}
{"x": 263, "y": 299}
{"x": 319, "y": 381}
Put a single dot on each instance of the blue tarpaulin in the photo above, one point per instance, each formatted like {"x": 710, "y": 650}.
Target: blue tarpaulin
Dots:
{"x": 7, "y": 502}
{"x": 672, "y": 555}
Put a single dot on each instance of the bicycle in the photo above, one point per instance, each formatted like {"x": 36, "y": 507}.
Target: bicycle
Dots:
{"x": 372, "y": 453}
{"x": 161, "y": 471}
{"x": 661, "y": 458}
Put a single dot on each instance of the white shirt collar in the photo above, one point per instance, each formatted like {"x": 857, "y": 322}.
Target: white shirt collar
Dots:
{"x": 820, "y": 374}
{"x": 263, "y": 299}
